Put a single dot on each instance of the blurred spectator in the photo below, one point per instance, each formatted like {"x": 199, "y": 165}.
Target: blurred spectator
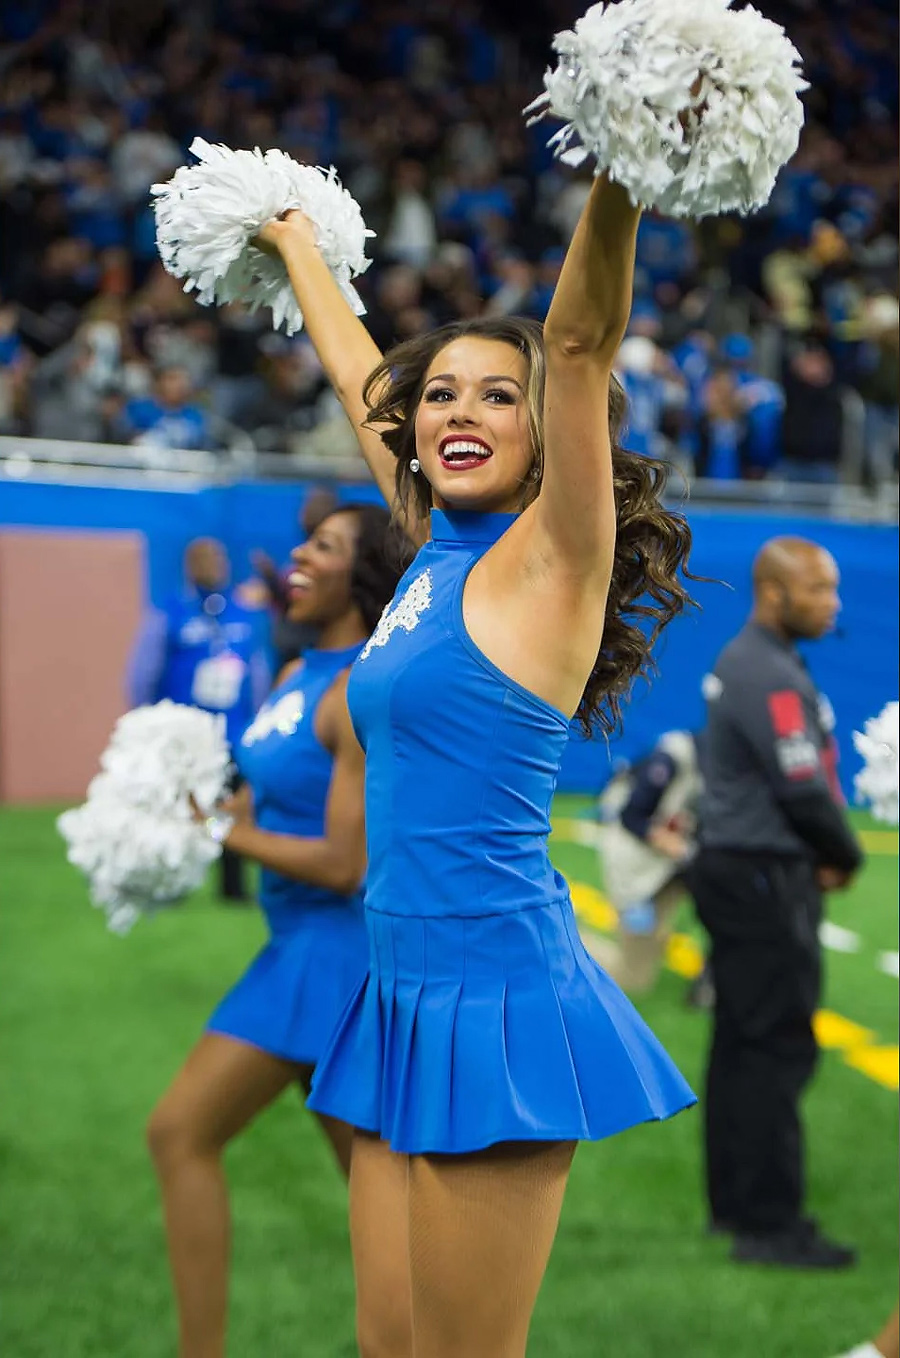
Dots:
{"x": 240, "y": 335}
{"x": 645, "y": 390}
{"x": 204, "y": 648}
{"x": 77, "y": 387}
{"x": 284, "y": 397}
{"x": 665, "y": 251}
{"x": 654, "y": 387}
{"x": 648, "y": 836}
{"x": 693, "y": 357}
{"x": 142, "y": 155}
{"x": 94, "y": 208}
{"x": 411, "y": 233}
{"x": 57, "y": 286}
{"x": 472, "y": 198}
{"x": 515, "y": 279}
{"x": 879, "y": 385}
{"x": 722, "y": 445}
{"x": 812, "y": 429}
{"x": 418, "y": 109}
{"x": 168, "y": 417}
{"x": 794, "y": 275}
{"x": 761, "y": 402}
{"x": 397, "y": 312}
{"x": 15, "y": 365}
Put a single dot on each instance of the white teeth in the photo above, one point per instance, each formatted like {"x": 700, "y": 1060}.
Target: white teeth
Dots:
{"x": 299, "y": 580}
{"x": 465, "y": 448}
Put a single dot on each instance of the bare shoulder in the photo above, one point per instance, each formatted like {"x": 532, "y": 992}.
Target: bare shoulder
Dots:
{"x": 288, "y": 671}
{"x": 535, "y": 617}
{"x": 332, "y": 719}
{"x": 526, "y": 560}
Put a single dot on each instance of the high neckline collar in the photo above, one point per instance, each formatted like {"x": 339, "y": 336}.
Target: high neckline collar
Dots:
{"x": 314, "y": 658}
{"x": 464, "y": 526}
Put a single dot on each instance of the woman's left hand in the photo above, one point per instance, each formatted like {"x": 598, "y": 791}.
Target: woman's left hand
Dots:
{"x": 293, "y": 225}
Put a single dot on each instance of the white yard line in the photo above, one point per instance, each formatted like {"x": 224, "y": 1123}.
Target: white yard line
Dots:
{"x": 837, "y": 939}
{"x": 889, "y": 963}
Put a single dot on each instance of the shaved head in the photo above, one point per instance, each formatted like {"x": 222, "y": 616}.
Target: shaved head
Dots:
{"x": 795, "y": 584}
{"x": 781, "y": 558}
{"x": 206, "y": 563}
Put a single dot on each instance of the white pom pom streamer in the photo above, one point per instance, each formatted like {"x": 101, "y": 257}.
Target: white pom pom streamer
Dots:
{"x": 877, "y": 782}
{"x": 135, "y": 838}
{"x": 690, "y": 107}
{"x": 207, "y": 214}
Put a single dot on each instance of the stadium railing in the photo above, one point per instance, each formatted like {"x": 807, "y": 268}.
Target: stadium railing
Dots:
{"x": 24, "y": 459}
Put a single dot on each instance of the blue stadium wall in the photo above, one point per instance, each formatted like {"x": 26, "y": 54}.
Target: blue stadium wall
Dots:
{"x": 856, "y": 667}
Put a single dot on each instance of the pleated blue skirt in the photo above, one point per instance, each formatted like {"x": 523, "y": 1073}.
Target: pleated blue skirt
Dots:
{"x": 292, "y": 995}
{"x": 470, "y": 1031}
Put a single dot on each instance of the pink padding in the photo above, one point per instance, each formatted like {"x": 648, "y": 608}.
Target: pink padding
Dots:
{"x": 70, "y": 606}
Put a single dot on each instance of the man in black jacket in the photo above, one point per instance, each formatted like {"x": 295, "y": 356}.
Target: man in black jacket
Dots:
{"x": 774, "y": 837}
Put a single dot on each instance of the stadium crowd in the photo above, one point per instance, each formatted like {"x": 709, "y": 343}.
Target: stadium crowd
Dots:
{"x": 758, "y": 347}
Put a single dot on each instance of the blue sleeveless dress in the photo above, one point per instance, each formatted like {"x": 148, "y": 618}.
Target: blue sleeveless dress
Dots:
{"x": 292, "y": 995}
{"x": 482, "y": 1017}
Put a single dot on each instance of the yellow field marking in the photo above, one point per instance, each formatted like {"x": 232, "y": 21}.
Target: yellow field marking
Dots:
{"x": 885, "y": 842}
{"x": 592, "y": 906}
{"x": 881, "y": 1064}
{"x": 835, "y": 1033}
{"x": 684, "y": 956}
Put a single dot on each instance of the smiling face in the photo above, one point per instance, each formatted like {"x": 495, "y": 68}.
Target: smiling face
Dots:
{"x": 322, "y": 567}
{"x": 472, "y": 429}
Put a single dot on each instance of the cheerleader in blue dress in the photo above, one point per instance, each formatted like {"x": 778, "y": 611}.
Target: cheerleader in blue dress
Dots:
{"x": 484, "y": 1042}
{"x": 300, "y": 816}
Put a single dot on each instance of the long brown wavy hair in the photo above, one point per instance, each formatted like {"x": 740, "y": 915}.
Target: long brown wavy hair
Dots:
{"x": 652, "y": 543}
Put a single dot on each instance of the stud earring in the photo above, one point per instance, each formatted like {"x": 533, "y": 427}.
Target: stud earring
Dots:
{"x": 535, "y": 472}
{"x": 414, "y": 465}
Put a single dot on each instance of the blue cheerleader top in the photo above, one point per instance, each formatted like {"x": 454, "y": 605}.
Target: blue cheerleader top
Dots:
{"x": 289, "y": 771}
{"x": 461, "y": 761}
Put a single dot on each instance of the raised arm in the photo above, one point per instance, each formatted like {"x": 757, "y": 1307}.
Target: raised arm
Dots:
{"x": 575, "y": 514}
{"x": 344, "y": 346}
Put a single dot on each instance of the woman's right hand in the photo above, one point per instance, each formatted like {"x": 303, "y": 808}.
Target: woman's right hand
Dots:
{"x": 240, "y": 805}
{"x": 275, "y": 234}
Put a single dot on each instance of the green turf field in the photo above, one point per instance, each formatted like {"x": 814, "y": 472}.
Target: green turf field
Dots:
{"x": 93, "y": 1026}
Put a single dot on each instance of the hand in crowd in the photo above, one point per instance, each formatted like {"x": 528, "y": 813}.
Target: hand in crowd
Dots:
{"x": 669, "y": 842}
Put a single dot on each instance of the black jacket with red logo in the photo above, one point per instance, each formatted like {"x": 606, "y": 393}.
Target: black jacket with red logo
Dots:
{"x": 769, "y": 768}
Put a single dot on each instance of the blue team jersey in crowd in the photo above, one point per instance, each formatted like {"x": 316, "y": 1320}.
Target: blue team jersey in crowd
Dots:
{"x": 211, "y": 646}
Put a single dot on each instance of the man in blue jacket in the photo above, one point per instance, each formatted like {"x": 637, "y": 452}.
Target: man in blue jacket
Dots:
{"x": 205, "y": 649}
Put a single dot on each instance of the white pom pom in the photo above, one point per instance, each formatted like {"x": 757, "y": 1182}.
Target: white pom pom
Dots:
{"x": 877, "y": 782}
{"x": 135, "y": 838}
{"x": 207, "y": 214}
{"x": 691, "y": 108}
